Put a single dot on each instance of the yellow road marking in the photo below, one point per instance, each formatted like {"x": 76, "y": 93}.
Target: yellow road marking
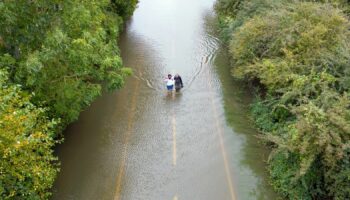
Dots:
{"x": 174, "y": 139}
{"x": 223, "y": 151}
{"x": 222, "y": 145}
{"x": 125, "y": 142}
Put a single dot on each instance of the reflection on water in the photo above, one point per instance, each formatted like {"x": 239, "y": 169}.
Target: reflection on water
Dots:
{"x": 254, "y": 155}
{"x": 146, "y": 122}
{"x": 236, "y": 99}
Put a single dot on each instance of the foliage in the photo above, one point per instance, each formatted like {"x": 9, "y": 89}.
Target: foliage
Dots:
{"x": 228, "y": 8}
{"x": 284, "y": 166}
{"x": 124, "y": 8}
{"x": 339, "y": 177}
{"x": 55, "y": 58}
{"x": 26, "y": 168}
{"x": 76, "y": 52}
{"x": 300, "y": 53}
{"x": 234, "y": 13}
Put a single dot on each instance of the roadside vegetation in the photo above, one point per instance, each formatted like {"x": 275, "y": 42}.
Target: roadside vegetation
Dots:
{"x": 297, "y": 56}
{"x": 55, "y": 59}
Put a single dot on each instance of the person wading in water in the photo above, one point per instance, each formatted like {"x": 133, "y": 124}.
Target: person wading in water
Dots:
{"x": 178, "y": 83}
{"x": 169, "y": 83}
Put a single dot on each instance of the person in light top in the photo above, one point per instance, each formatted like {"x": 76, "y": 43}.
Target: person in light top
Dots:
{"x": 169, "y": 82}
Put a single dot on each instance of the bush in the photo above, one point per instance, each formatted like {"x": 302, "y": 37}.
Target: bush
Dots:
{"x": 234, "y": 13}
{"x": 283, "y": 169}
{"x": 299, "y": 52}
{"x": 27, "y": 168}
{"x": 124, "y": 8}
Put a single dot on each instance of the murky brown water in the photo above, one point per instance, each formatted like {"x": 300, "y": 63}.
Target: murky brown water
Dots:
{"x": 140, "y": 143}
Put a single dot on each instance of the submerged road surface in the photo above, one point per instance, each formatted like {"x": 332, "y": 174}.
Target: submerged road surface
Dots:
{"x": 142, "y": 143}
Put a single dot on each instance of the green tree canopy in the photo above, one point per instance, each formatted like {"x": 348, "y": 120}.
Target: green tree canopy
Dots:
{"x": 64, "y": 51}
{"x": 55, "y": 58}
{"x": 27, "y": 166}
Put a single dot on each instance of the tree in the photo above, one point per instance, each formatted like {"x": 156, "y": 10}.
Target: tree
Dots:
{"x": 27, "y": 168}
{"x": 66, "y": 51}
{"x": 55, "y": 58}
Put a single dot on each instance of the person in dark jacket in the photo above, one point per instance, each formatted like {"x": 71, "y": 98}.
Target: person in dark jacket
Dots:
{"x": 178, "y": 82}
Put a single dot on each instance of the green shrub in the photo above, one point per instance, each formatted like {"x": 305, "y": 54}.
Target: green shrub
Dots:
{"x": 124, "y": 8}
{"x": 300, "y": 53}
{"x": 27, "y": 170}
{"x": 262, "y": 116}
{"x": 339, "y": 178}
{"x": 283, "y": 169}
{"x": 234, "y": 13}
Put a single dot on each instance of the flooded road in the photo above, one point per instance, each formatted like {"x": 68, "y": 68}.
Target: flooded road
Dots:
{"x": 142, "y": 143}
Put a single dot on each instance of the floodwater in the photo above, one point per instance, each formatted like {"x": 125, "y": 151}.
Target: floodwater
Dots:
{"x": 141, "y": 143}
